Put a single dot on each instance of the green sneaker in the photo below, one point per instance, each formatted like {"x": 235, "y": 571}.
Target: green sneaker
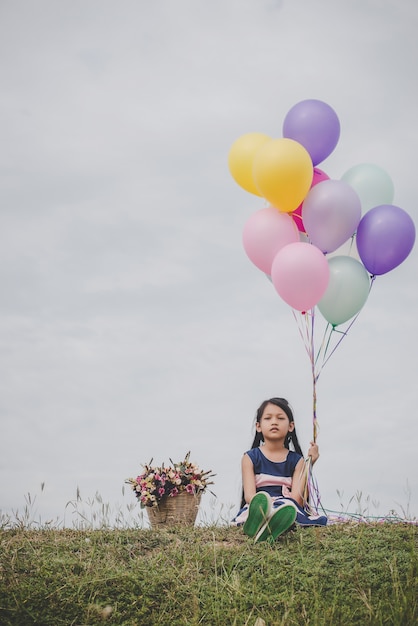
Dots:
{"x": 258, "y": 513}
{"x": 281, "y": 520}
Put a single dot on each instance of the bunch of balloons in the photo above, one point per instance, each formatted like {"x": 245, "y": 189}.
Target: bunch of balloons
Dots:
{"x": 309, "y": 215}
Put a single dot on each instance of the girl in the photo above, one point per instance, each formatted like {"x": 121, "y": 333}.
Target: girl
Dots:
{"x": 274, "y": 477}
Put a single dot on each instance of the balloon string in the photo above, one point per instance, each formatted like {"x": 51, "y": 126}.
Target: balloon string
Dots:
{"x": 344, "y": 333}
{"x": 314, "y": 417}
{"x": 307, "y": 333}
{"x": 314, "y": 377}
{"x": 326, "y": 341}
{"x": 328, "y": 329}
{"x": 306, "y": 327}
{"x": 303, "y": 327}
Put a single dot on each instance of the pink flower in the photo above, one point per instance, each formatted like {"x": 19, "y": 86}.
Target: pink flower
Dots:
{"x": 190, "y": 488}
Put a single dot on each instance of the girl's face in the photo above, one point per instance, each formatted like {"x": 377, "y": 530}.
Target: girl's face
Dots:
{"x": 274, "y": 423}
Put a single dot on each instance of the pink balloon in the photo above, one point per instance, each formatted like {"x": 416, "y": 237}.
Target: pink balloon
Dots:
{"x": 265, "y": 233}
{"x": 300, "y": 275}
{"x": 318, "y": 177}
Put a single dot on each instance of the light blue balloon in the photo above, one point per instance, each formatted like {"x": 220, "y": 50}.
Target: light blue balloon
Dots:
{"x": 372, "y": 184}
{"x": 347, "y": 291}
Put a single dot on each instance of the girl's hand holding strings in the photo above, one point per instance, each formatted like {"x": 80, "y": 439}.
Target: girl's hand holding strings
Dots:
{"x": 313, "y": 452}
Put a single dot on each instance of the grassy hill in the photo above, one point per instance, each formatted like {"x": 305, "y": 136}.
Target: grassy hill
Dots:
{"x": 341, "y": 574}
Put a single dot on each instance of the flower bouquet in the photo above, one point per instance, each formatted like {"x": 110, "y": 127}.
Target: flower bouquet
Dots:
{"x": 166, "y": 491}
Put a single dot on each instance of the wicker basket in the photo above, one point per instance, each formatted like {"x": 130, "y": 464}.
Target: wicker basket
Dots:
{"x": 181, "y": 509}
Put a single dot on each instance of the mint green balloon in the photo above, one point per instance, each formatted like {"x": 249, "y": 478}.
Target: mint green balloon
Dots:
{"x": 372, "y": 184}
{"x": 347, "y": 291}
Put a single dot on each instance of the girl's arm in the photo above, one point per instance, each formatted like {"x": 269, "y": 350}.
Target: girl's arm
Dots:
{"x": 248, "y": 478}
{"x": 300, "y": 475}
{"x": 299, "y": 480}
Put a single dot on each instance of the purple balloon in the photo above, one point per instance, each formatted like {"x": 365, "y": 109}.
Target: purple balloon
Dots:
{"x": 385, "y": 237}
{"x": 315, "y": 125}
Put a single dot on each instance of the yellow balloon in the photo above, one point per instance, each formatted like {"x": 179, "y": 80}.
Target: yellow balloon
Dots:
{"x": 283, "y": 173}
{"x": 241, "y": 159}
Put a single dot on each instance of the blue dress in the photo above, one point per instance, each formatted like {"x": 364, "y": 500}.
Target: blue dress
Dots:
{"x": 276, "y": 480}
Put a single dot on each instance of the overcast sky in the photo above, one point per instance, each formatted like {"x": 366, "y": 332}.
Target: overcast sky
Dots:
{"x": 133, "y": 325}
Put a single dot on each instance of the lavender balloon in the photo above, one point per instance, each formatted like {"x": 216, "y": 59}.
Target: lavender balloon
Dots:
{"x": 385, "y": 237}
{"x": 331, "y": 213}
{"x": 315, "y": 125}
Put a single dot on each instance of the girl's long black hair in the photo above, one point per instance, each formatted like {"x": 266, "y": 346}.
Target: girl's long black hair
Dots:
{"x": 291, "y": 438}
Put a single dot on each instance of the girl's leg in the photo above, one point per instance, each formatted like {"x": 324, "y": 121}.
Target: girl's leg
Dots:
{"x": 303, "y": 518}
{"x": 280, "y": 521}
{"x": 258, "y": 513}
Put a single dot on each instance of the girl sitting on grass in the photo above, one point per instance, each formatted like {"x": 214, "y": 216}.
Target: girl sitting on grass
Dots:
{"x": 274, "y": 477}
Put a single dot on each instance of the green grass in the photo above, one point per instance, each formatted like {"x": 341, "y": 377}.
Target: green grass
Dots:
{"x": 352, "y": 573}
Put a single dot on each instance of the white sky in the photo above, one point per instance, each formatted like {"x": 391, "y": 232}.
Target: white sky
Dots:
{"x": 132, "y": 323}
